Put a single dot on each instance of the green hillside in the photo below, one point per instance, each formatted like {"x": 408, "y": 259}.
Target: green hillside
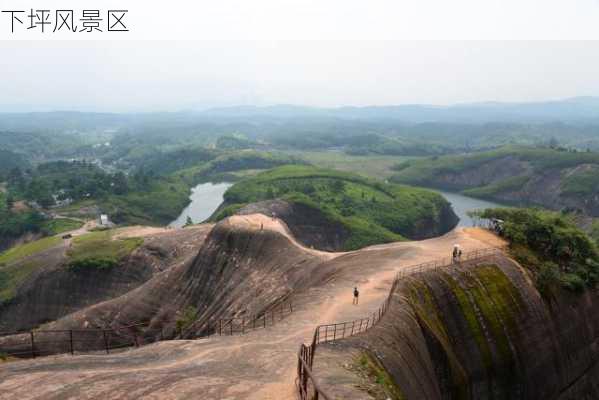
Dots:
{"x": 372, "y": 211}
{"x": 555, "y": 178}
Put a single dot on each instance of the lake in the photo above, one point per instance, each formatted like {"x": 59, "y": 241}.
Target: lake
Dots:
{"x": 462, "y": 204}
{"x": 205, "y": 199}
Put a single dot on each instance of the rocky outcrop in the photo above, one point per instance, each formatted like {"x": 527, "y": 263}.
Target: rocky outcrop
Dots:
{"x": 307, "y": 224}
{"x": 238, "y": 270}
{"x": 55, "y": 290}
{"x": 483, "y": 331}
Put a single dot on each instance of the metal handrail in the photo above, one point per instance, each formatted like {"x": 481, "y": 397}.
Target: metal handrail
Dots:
{"x": 306, "y": 353}
{"x": 253, "y": 321}
{"x": 31, "y": 343}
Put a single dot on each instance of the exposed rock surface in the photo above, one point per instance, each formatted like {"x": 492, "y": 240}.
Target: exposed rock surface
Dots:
{"x": 482, "y": 332}
{"x": 260, "y": 365}
{"x": 239, "y": 269}
{"x": 308, "y": 225}
{"x": 55, "y": 290}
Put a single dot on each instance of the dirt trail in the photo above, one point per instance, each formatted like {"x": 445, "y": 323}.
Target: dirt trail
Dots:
{"x": 261, "y": 364}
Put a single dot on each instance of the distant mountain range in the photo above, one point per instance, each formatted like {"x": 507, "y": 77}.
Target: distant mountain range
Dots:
{"x": 577, "y": 110}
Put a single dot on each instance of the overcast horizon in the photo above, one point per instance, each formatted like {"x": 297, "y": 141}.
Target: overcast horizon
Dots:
{"x": 124, "y": 77}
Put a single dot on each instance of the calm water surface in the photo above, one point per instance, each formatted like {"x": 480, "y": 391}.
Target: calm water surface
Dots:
{"x": 205, "y": 199}
{"x": 462, "y": 204}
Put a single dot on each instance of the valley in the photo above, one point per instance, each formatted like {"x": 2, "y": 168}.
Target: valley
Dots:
{"x": 259, "y": 365}
{"x": 180, "y": 255}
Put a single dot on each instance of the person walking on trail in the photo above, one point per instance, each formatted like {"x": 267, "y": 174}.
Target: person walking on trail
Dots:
{"x": 274, "y": 215}
{"x": 356, "y": 295}
{"x": 455, "y": 254}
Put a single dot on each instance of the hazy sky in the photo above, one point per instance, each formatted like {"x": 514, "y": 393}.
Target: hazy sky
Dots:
{"x": 170, "y": 76}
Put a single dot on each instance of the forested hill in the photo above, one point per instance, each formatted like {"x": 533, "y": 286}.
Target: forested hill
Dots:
{"x": 555, "y": 178}
{"x": 354, "y": 210}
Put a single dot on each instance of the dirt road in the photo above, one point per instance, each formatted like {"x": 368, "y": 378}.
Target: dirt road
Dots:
{"x": 259, "y": 365}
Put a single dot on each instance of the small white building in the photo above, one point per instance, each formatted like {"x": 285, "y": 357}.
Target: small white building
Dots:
{"x": 104, "y": 221}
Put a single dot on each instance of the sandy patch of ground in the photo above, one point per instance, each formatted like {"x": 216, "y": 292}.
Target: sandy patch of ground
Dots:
{"x": 20, "y": 206}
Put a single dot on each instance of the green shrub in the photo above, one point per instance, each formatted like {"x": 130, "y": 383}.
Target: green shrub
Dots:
{"x": 374, "y": 371}
{"x": 573, "y": 282}
{"x": 548, "y": 278}
{"x": 227, "y": 212}
{"x": 89, "y": 263}
{"x": 100, "y": 250}
{"x": 60, "y": 225}
{"x": 186, "y": 318}
{"x": 551, "y": 239}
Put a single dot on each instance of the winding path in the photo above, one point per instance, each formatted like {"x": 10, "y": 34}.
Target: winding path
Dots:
{"x": 259, "y": 365}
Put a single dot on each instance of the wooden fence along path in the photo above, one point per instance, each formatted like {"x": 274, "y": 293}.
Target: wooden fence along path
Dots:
{"x": 307, "y": 385}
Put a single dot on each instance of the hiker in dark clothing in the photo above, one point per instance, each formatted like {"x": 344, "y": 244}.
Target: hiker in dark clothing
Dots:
{"x": 356, "y": 295}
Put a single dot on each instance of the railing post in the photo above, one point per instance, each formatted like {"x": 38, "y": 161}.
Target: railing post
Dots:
{"x": 231, "y": 329}
{"x": 105, "y": 341}
{"x": 264, "y": 319}
{"x": 242, "y": 325}
{"x": 32, "y": 345}
{"x": 335, "y": 332}
{"x": 220, "y": 327}
{"x": 71, "y": 341}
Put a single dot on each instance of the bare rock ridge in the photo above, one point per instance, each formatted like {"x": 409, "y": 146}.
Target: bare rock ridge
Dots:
{"x": 308, "y": 225}
{"x": 477, "y": 331}
{"x": 239, "y": 269}
{"x": 482, "y": 332}
{"x": 56, "y": 290}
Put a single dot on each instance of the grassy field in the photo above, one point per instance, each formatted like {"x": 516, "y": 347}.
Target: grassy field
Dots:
{"x": 100, "y": 250}
{"x": 372, "y": 211}
{"x": 12, "y": 274}
{"x": 12, "y": 277}
{"x": 93, "y": 250}
{"x": 373, "y": 166}
{"x": 25, "y": 250}
{"x": 60, "y": 225}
